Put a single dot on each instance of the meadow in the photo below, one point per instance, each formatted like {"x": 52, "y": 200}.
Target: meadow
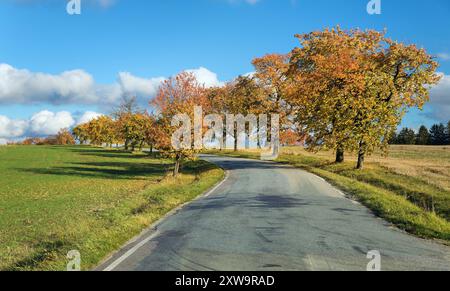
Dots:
{"x": 410, "y": 187}
{"x": 57, "y": 199}
{"x": 430, "y": 164}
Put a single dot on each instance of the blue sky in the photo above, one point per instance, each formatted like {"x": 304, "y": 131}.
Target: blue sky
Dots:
{"x": 145, "y": 39}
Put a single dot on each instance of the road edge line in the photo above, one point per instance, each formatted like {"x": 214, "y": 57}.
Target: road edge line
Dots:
{"x": 152, "y": 231}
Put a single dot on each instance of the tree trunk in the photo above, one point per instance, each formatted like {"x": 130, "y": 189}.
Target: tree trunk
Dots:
{"x": 224, "y": 138}
{"x": 151, "y": 149}
{"x": 235, "y": 140}
{"x": 141, "y": 145}
{"x": 127, "y": 144}
{"x": 340, "y": 155}
{"x": 247, "y": 137}
{"x": 361, "y": 155}
{"x": 258, "y": 137}
{"x": 176, "y": 169}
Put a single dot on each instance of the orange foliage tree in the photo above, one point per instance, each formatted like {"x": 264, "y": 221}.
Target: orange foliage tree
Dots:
{"x": 64, "y": 137}
{"x": 351, "y": 89}
{"x": 177, "y": 95}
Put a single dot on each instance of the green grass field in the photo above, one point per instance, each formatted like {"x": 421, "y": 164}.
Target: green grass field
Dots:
{"x": 57, "y": 199}
{"x": 409, "y": 188}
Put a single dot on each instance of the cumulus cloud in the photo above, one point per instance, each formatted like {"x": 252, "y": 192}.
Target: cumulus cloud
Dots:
{"x": 206, "y": 77}
{"x": 49, "y": 123}
{"x": 440, "y": 99}
{"x": 88, "y": 116}
{"x": 21, "y": 86}
{"x": 130, "y": 84}
{"x": 12, "y": 128}
{"x": 41, "y": 124}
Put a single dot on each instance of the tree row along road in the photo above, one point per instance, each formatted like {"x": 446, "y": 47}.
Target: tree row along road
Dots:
{"x": 268, "y": 216}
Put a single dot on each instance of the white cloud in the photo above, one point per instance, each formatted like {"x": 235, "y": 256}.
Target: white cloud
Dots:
{"x": 88, "y": 116}
{"x": 206, "y": 77}
{"x": 139, "y": 86}
{"x": 49, "y": 123}
{"x": 21, "y": 86}
{"x": 440, "y": 99}
{"x": 250, "y": 74}
{"x": 107, "y": 94}
{"x": 41, "y": 124}
{"x": 12, "y": 128}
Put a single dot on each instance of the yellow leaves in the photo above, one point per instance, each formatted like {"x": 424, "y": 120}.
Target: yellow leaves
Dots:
{"x": 349, "y": 86}
{"x": 177, "y": 95}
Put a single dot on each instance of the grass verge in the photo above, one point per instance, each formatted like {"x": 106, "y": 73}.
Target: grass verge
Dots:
{"x": 405, "y": 201}
{"x": 57, "y": 199}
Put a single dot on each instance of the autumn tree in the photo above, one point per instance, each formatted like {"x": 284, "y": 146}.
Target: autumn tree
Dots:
{"x": 352, "y": 88}
{"x": 290, "y": 137}
{"x": 147, "y": 124}
{"x": 108, "y": 129}
{"x": 123, "y": 115}
{"x": 102, "y": 131}
{"x": 151, "y": 132}
{"x": 81, "y": 133}
{"x": 132, "y": 129}
{"x": 178, "y": 96}
{"x": 401, "y": 80}
{"x": 217, "y": 98}
{"x": 242, "y": 96}
{"x": 32, "y": 141}
{"x": 271, "y": 75}
{"x": 323, "y": 72}
{"x": 64, "y": 137}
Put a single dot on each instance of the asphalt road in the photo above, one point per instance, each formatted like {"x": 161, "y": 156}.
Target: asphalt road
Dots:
{"x": 270, "y": 217}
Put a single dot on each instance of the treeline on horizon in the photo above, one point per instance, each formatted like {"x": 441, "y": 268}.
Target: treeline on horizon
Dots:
{"x": 437, "y": 135}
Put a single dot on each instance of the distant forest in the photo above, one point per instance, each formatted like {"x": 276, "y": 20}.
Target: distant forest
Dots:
{"x": 438, "y": 134}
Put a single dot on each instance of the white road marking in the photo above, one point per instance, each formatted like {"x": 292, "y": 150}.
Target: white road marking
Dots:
{"x": 227, "y": 175}
{"x": 130, "y": 252}
{"x": 322, "y": 179}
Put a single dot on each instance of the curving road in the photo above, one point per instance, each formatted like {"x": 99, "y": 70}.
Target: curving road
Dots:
{"x": 266, "y": 217}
